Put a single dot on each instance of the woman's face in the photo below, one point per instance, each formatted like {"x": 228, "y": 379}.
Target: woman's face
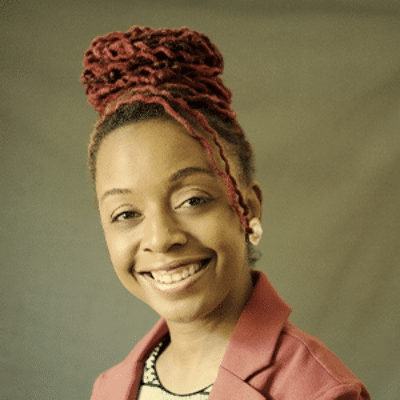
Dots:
{"x": 174, "y": 240}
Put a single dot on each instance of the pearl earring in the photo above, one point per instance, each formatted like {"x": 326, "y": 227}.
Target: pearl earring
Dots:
{"x": 255, "y": 236}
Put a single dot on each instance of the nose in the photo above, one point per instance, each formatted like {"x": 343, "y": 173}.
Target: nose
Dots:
{"x": 162, "y": 232}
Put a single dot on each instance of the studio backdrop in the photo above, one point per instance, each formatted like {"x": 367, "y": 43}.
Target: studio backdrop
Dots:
{"x": 316, "y": 88}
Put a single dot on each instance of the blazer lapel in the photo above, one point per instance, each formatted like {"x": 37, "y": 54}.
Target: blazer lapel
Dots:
{"x": 254, "y": 339}
{"x": 230, "y": 387}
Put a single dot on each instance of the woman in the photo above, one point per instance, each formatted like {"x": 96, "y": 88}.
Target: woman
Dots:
{"x": 180, "y": 209}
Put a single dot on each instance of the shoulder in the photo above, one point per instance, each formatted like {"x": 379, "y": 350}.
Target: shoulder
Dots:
{"x": 306, "y": 369}
{"x": 279, "y": 360}
{"x": 117, "y": 381}
{"x": 123, "y": 379}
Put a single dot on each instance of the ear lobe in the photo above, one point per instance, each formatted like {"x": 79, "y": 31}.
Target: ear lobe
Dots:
{"x": 254, "y": 200}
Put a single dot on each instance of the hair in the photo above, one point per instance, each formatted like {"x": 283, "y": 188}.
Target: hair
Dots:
{"x": 149, "y": 73}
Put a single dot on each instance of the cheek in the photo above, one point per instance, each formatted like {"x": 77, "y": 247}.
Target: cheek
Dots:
{"x": 222, "y": 232}
{"x": 121, "y": 249}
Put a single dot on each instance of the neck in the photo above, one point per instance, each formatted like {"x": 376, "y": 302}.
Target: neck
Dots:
{"x": 192, "y": 340}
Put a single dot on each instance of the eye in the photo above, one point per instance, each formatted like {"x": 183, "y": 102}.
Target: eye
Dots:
{"x": 195, "y": 201}
{"x": 125, "y": 216}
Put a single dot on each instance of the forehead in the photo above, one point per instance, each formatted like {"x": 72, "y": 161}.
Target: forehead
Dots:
{"x": 147, "y": 150}
{"x": 153, "y": 139}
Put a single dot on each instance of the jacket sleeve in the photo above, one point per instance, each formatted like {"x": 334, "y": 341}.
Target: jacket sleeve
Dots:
{"x": 113, "y": 385}
{"x": 345, "y": 392}
{"x": 98, "y": 392}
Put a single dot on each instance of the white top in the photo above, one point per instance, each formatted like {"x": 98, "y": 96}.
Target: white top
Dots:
{"x": 152, "y": 389}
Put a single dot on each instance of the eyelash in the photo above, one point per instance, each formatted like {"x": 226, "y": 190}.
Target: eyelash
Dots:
{"x": 200, "y": 200}
{"x": 117, "y": 218}
{"x": 127, "y": 215}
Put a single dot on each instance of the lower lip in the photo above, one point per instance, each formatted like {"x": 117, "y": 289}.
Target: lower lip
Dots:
{"x": 178, "y": 287}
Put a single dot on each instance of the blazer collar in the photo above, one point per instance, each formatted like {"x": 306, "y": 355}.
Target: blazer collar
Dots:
{"x": 257, "y": 331}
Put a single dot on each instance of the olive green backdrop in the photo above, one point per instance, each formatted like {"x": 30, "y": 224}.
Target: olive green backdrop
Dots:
{"x": 316, "y": 88}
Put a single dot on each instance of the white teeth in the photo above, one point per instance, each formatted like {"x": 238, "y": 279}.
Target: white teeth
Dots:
{"x": 166, "y": 279}
{"x": 172, "y": 277}
{"x": 185, "y": 273}
{"x": 176, "y": 277}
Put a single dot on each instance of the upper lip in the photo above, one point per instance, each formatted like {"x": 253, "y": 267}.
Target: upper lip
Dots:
{"x": 174, "y": 264}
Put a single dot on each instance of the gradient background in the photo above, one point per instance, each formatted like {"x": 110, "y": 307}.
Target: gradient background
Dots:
{"x": 316, "y": 87}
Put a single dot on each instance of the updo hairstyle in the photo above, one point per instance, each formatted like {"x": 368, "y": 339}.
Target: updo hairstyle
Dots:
{"x": 144, "y": 74}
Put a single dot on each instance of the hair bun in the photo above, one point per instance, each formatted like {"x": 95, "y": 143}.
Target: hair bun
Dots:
{"x": 181, "y": 62}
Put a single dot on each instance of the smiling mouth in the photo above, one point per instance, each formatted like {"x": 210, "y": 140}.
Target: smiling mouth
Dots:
{"x": 177, "y": 274}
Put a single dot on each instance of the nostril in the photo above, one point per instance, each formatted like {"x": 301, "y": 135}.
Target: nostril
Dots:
{"x": 161, "y": 238}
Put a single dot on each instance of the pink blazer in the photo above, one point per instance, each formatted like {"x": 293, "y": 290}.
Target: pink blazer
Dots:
{"x": 267, "y": 358}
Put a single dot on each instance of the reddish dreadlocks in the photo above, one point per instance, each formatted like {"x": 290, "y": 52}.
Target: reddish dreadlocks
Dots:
{"x": 177, "y": 69}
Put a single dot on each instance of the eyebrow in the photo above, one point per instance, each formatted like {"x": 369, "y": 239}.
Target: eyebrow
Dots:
{"x": 189, "y": 171}
{"x": 182, "y": 173}
{"x": 114, "y": 191}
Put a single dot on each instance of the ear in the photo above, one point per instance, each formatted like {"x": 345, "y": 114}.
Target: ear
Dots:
{"x": 254, "y": 200}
